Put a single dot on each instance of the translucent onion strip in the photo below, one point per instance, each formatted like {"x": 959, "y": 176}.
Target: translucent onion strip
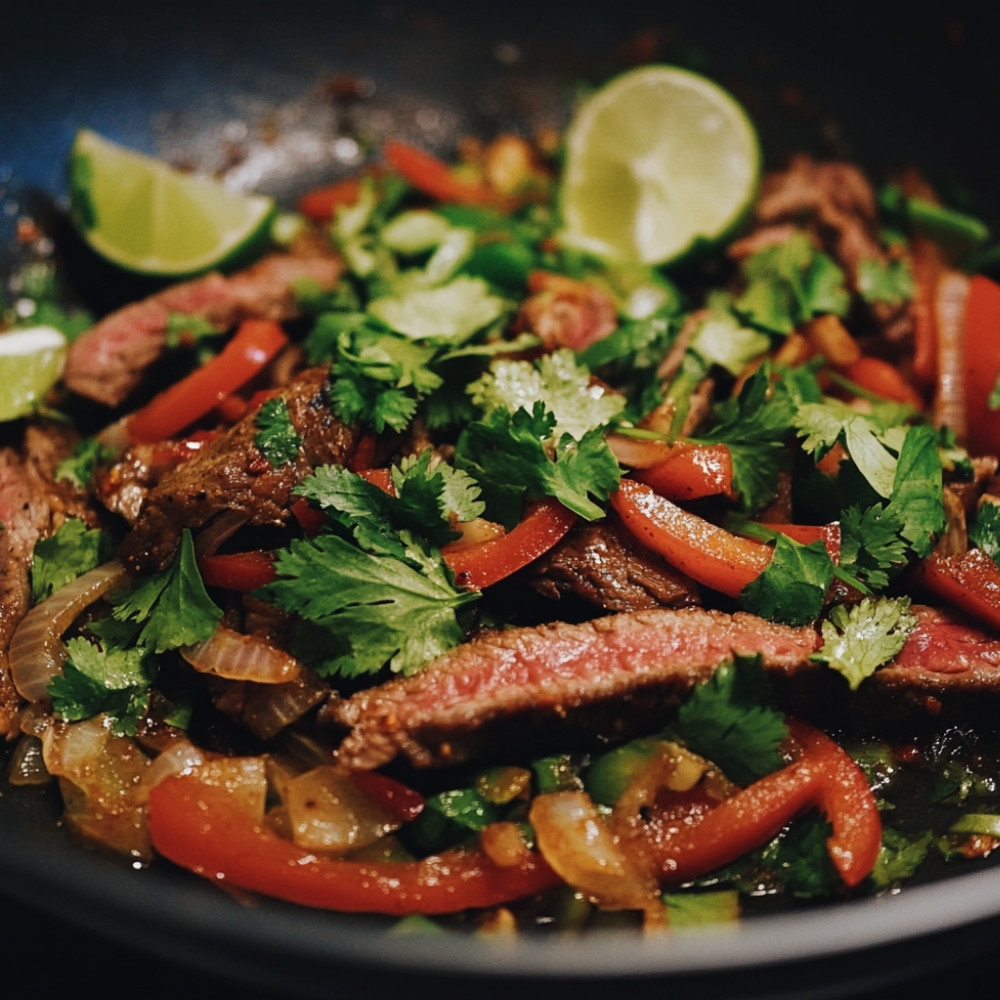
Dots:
{"x": 238, "y": 657}
{"x": 36, "y": 651}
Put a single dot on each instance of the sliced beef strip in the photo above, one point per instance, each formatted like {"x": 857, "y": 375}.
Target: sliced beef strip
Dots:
{"x": 33, "y": 504}
{"x": 600, "y": 564}
{"x": 230, "y": 475}
{"x": 109, "y": 361}
{"x": 532, "y": 689}
{"x": 539, "y": 681}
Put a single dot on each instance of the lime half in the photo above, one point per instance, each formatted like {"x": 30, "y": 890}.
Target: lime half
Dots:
{"x": 658, "y": 162}
{"x": 31, "y": 361}
{"x": 150, "y": 218}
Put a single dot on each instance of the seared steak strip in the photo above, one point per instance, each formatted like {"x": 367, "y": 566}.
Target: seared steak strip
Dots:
{"x": 599, "y": 564}
{"x": 649, "y": 659}
{"x": 231, "y": 475}
{"x": 32, "y": 506}
{"x": 108, "y": 362}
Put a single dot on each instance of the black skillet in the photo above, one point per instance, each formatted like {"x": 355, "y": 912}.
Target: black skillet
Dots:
{"x": 250, "y": 82}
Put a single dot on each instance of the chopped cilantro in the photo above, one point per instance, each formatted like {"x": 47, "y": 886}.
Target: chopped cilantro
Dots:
{"x": 890, "y": 282}
{"x": 278, "y": 440}
{"x": 793, "y": 586}
{"x": 859, "y": 639}
{"x": 72, "y": 550}
{"x": 94, "y": 679}
{"x": 730, "y": 720}
{"x": 377, "y": 609}
{"x": 79, "y": 468}
{"x": 171, "y": 607}
{"x": 788, "y": 284}
{"x": 984, "y": 530}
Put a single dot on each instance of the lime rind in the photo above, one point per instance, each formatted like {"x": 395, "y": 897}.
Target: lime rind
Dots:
{"x": 661, "y": 163}
{"x": 151, "y": 219}
{"x": 31, "y": 361}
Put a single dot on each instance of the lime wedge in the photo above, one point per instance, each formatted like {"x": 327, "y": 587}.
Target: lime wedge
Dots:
{"x": 155, "y": 220}
{"x": 658, "y": 162}
{"x": 31, "y": 361}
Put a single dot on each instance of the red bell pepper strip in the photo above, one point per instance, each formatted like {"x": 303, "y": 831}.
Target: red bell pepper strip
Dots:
{"x": 242, "y": 571}
{"x": 691, "y": 471}
{"x": 403, "y": 803}
{"x": 981, "y": 351}
{"x": 200, "y": 826}
{"x": 884, "y": 379}
{"x": 321, "y": 203}
{"x": 707, "y": 553}
{"x": 970, "y": 582}
{"x": 687, "y": 843}
{"x": 251, "y": 348}
{"x": 482, "y": 564}
{"x": 437, "y": 179}
{"x": 806, "y": 534}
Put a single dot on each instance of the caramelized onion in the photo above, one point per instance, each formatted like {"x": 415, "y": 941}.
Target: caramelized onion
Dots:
{"x": 36, "y": 650}
{"x": 238, "y": 657}
{"x": 577, "y": 843}
{"x": 327, "y": 811}
{"x": 949, "y": 314}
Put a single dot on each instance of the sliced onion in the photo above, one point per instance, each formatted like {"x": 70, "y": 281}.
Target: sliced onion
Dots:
{"x": 577, "y": 843}
{"x": 178, "y": 758}
{"x": 327, "y": 811}
{"x": 238, "y": 657}
{"x": 268, "y": 710}
{"x": 949, "y": 314}
{"x": 36, "y": 650}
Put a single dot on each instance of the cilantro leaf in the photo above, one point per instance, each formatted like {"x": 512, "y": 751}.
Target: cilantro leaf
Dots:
{"x": 788, "y": 284}
{"x": 871, "y": 544}
{"x": 917, "y": 493}
{"x": 730, "y": 719}
{"x": 79, "y": 468}
{"x": 888, "y": 281}
{"x": 507, "y": 454}
{"x": 72, "y": 550}
{"x": 276, "y": 436}
{"x": 172, "y": 606}
{"x": 984, "y": 530}
{"x": 559, "y": 381}
{"x": 114, "y": 680}
{"x": 872, "y": 446}
{"x": 755, "y": 427}
{"x": 793, "y": 586}
{"x": 379, "y": 609}
{"x": 857, "y": 640}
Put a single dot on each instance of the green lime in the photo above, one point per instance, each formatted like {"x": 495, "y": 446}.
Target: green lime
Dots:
{"x": 658, "y": 162}
{"x": 31, "y": 361}
{"x": 150, "y": 218}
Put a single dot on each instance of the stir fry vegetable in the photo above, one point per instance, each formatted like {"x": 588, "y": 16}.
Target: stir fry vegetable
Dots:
{"x": 439, "y": 563}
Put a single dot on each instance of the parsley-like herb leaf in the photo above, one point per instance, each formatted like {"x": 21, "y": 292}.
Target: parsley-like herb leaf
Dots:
{"x": 172, "y": 606}
{"x": 857, "y": 640}
{"x": 276, "y": 436}
{"x": 62, "y": 557}
{"x": 730, "y": 719}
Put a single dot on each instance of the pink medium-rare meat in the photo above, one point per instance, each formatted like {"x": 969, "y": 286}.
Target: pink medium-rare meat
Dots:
{"x": 442, "y": 715}
{"x": 109, "y": 361}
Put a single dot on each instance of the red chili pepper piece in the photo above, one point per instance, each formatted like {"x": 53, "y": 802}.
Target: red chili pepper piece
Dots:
{"x": 242, "y": 571}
